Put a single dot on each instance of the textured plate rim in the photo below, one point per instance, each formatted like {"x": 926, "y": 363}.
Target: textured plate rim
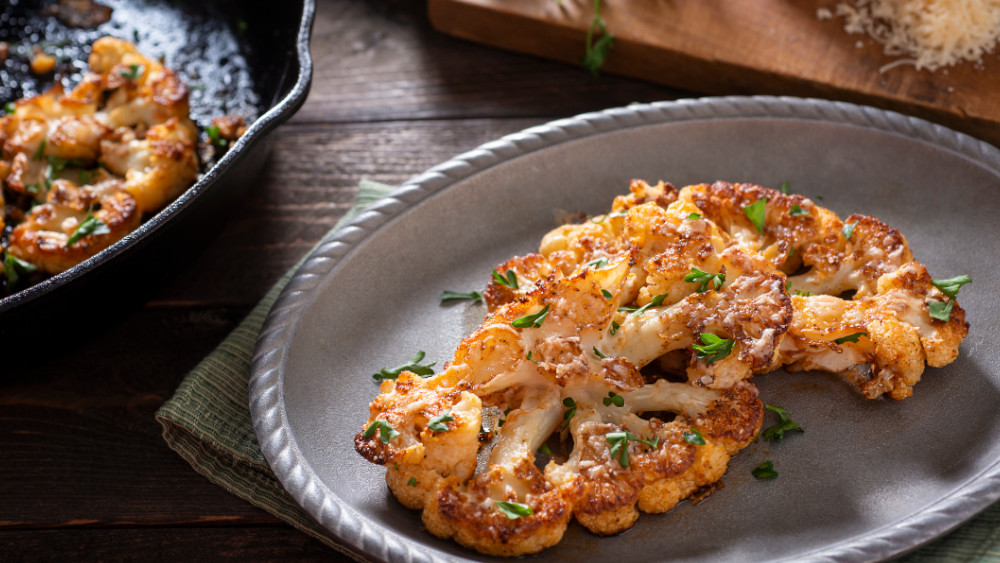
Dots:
{"x": 267, "y": 408}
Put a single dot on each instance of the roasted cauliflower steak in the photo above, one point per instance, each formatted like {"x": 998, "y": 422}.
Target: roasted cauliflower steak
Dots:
{"x": 613, "y": 373}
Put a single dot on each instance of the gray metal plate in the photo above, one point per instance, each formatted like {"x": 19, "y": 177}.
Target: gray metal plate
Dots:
{"x": 867, "y": 480}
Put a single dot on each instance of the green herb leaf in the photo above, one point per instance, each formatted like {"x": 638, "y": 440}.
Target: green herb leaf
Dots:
{"x": 613, "y": 399}
{"x": 412, "y": 482}
{"x": 693, "y": 216}
{"x": 89, "y": 226}
{"x": 757, "y": 212}
{"x": 614, "y": 328}
{"x": 570, "y": 405}
{"x": 412, "y": 366}
{"x": 530, "y": 358}
{"x": 545, "y": 450}
{"x": 509, "y": 281}
{"x": 531, "y": 321}
{"x": 9, "y": 108}
{"x": 785, "y": 424}
{"x": 850, "y": 338}
{"x": 940, "y": 311}
{"x": 134, "y": 71}
{"x": 597, "y": 51}
{"x": 703, "y": 278}
{"x": 607, "y": 294}
{"x": 597, "y": 263}
{"x": 714, "y": 348}
{"x": 619, "y": 446}
{"x": 598, "y": 353}
{"x": 849, "y": 229}
{"x": 386, "y": 432}
{"x": 40, "y": 151}
{"x": 797, "y": 211}
{"x": 473, "y": 296}
{"x": 765, "y": 471}
{"x": 654, "y": 302}
{"x": 513, "y": 510}
{"x": 439, "y": 423}
{"x": 692, "y": 436}
{"x": 14, "y": 268}
{"x": 784, "y": 188}
{"x": 951, "y": 286}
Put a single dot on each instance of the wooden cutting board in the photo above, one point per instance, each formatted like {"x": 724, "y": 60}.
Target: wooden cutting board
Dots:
{"x": 736, "y": 47}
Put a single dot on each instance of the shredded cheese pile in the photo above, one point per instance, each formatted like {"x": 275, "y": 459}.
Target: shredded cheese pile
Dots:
{"x": 932, "y": 33}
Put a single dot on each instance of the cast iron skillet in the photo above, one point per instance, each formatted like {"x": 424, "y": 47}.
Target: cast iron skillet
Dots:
{"x": 244, "y": 57}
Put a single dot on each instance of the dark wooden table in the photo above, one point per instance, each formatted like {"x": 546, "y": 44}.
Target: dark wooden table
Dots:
{"x": 85, "y": 474}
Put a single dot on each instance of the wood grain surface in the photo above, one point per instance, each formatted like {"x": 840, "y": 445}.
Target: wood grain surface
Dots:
{"x": 85, "y": 475}
{"x": 737, "y": 47}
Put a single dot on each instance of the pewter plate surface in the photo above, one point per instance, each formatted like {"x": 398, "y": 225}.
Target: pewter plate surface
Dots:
{"x": 867, "y": 480}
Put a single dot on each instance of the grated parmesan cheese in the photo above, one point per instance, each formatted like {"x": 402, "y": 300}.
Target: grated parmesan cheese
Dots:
{"x": 930, "y": 33}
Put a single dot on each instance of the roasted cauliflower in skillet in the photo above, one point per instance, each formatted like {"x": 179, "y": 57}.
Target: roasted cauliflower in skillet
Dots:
{"x": 81, "y": 168}
{"x": 629, "y": 343}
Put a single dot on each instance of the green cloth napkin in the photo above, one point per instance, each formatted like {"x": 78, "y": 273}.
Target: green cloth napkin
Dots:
{"x": 207, "y": 422}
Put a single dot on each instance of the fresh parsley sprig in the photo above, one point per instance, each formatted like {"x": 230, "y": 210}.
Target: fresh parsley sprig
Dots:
{"x": 942, "y": 311}
{"x": 849, "y": 229}
{"x": 440, "y": 423}
{"x": 134, "y": 71}
{"x": 14, "y": 268}
{"x": 531, "y": 321}
{"x": 703, "y": 278}
{"x": 785, "y": 424}
{"x": 413, "y": 366}
{"x": 797, "y": 211}
{"x": 850, "y": 338}
{"x": 509, "y": 281}
{"x": 385, "y": 430}
{"x": 513, "y": 510}
{"x": 713, "y": 348}
{"x": 473, "y": 296}
{"x": 656, "y": 301}
{"x": 613, "y": 399}
{"x": 597, "y": 50}
{"x": 619, "y": 444}
{"x": 765, "y": 471}
{"x": 89, "y": 226}
{"x": 570, "y": 412}
{"x": 693, "y": 436}
{"x": 757, "y": 212}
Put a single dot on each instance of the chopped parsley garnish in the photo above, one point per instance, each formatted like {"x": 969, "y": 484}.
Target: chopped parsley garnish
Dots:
{"x": 849, "y": 229}
{"x": 607, "y": 294}
{"x": 692, "y": 436}
{"x": 614, "y": 328}
{"x": 619, "y": 444}
{"x": 413, "y": 365}
{"x": 215, "y": 137}
{"x": 797, "y": 211}
{"x": 693, "y": 216}
{"x": 412, "y": 482}
{"x": 765, "y": 471}
{"x": 714, "y": 348}
{"x": 756, "y": 212}
{"x": 385, "y": 430}
{"x": 570, "y": 405}
{"x": 9, "y": 108}
{"x": 530, "y": 359}
{"x": 598, "y": 353}
{"x": 613, "y": 399}
{"x": 14, "y": 268}
{"x": 545, "y": 450}
{"x": 531, "y": 321}
{"x": 89, "y": 226}
{"x": 509, "y": 281}
{"x": 785, "y": 424}
{"x": 951, "y": 286}
{"x": 784, "y": 188}
{"x": 440, "y": 423}
{"x": 513, "y": 510}
{"x": 134, "y": 71}
{"x": 850, "y": 338}
{"x": 597, "y": 50}
{"x": 654, "y": 302}
{"x": 473, "y": 296}
{"x": 940, "y": 311}
{"x": 40, "y": 152}
{"x": 703, "y": 278}
{"x": 597, "y": 263}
